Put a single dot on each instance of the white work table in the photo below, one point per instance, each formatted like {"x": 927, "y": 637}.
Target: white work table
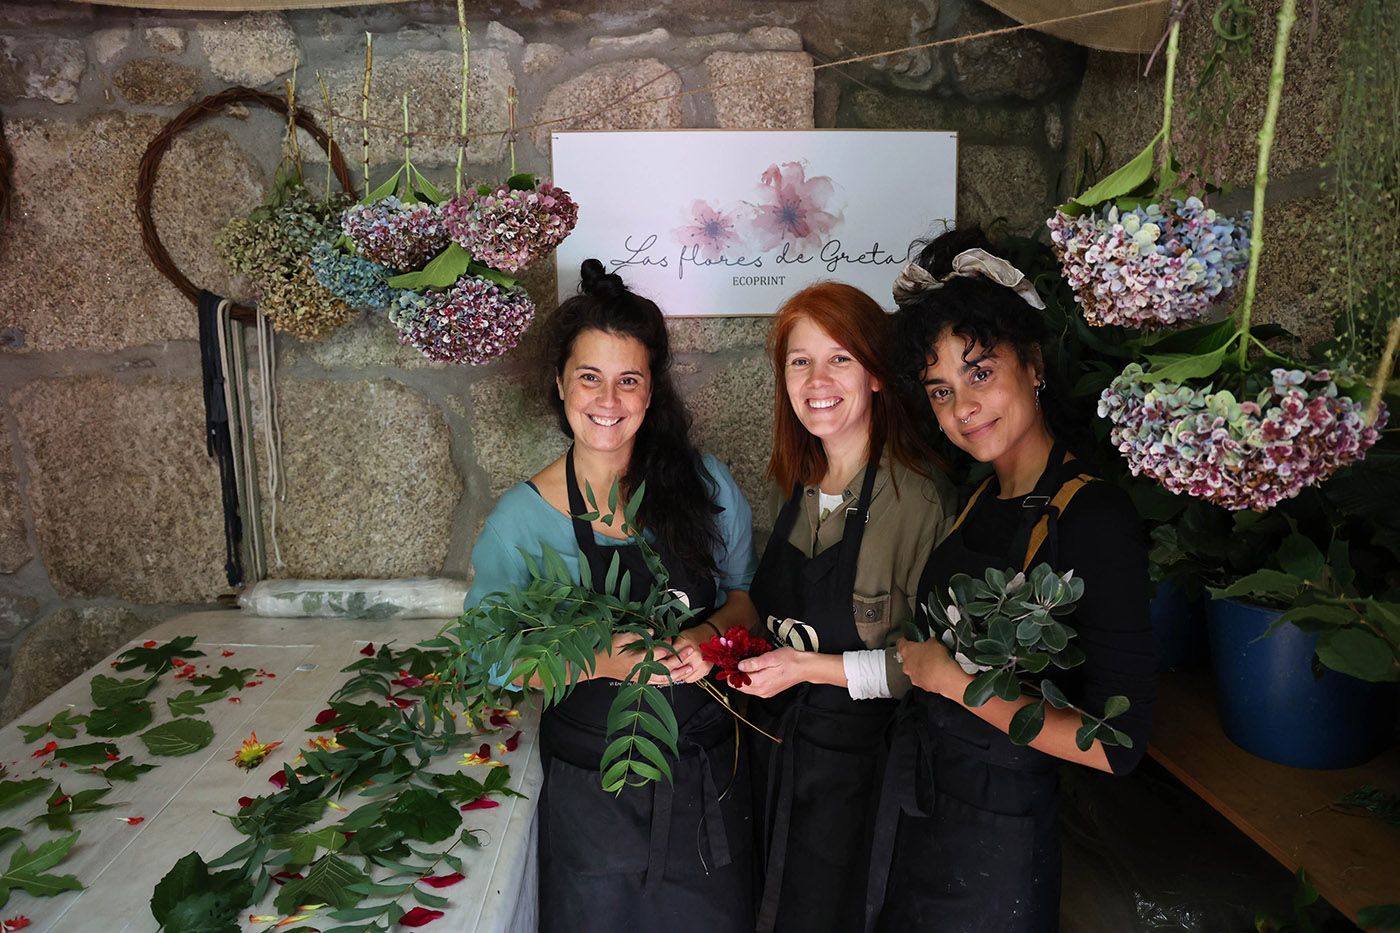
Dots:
{"x": 182, "y": 799}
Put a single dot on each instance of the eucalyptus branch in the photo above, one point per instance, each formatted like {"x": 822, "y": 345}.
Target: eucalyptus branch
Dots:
{"x": 1286, "y": 18}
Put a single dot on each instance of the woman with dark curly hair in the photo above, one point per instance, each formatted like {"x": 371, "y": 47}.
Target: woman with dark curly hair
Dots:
{"x": 672, "y": 855}
{"x": 966, "y": 837}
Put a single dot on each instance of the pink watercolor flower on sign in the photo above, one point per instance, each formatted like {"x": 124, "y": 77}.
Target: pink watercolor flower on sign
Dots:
{"x": 793, "y": 208}
{"x": 710, "y": 231}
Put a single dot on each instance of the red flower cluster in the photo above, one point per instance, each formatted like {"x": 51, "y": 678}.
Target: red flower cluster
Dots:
{"x": 727, "y": 650}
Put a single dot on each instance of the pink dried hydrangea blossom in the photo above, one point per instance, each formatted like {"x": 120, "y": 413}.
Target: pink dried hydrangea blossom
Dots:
{"x": 1149, "y": 267}
{"x": 402, "y": 237}
{"x": 474, "y": 321}
{"x": 510, "y": 229}
{"x": 1239, "y": 455}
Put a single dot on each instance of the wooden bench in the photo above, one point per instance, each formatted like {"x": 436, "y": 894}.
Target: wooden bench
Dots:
{"x": 1353, "y": 861}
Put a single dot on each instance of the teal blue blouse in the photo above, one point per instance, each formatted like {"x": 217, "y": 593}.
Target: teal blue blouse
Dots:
{"x": 523, "y": 522}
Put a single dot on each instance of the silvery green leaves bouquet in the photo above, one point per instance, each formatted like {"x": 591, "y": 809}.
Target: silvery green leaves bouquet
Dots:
{"x": 1008, "y": 626}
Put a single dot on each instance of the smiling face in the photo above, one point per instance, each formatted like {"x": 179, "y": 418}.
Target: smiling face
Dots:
{"x": 984, "y": 400}
{"x": 606, "y": 388}
{"x": 829, "y": 390}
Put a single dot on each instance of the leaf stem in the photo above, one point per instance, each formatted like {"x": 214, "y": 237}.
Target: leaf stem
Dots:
{"x": 1286, "y": 17}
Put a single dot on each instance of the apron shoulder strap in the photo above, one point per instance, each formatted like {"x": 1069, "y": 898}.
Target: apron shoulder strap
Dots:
{"x": 972, "y": 500}
{"x": 1055, "y": 508}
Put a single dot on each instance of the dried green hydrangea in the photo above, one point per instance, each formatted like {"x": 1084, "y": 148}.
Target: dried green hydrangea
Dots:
{"x": 271, "y": 244}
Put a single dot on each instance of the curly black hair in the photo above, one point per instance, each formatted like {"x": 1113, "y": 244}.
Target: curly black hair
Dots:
{"x": 679, "y": 503}
{"x": 980, "y": 311}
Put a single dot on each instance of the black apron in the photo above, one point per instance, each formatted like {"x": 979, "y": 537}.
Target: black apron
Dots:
{"x": 818, "y": 788}
{"x": 672, "y": 857}
{"x": 965, "y": 838}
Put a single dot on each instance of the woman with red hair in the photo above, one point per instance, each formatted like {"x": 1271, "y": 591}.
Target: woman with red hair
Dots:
{"x": 864, "y": 504}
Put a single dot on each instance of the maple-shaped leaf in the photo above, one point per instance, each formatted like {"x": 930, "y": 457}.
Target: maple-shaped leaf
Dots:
{"x": 62, "y": 725}
{"x": 302, "y": 847}
{"x": 327, "y": 881}
{"x": 464, "y": 788}
{"x": 121, "y": 719}
{"x": 14, "y": 793}
{"x": 59, "y": 813}
{"x": 178, "y": 737}
{"x": 228, "y": 678}
{"x": 190, "y": 899}
{"x": 419, "y": 813}
{"x": 109, "y": 691}
{"x": 191, "y": 703}
{"x": 28, "y": 870}
{"x": 93, "y": 753}
{"x": 159, "y": 658}
{"x": 125, "y": 770}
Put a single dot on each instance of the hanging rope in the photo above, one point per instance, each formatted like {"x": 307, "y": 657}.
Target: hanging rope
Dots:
{"x": 272, "y": 432}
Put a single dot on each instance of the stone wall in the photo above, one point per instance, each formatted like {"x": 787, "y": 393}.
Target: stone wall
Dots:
{"x": 109, "y": 509}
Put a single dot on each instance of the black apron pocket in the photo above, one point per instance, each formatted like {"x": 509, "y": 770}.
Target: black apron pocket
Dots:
{"x": 590, "y": 831}
{"x": 831, "y": 800}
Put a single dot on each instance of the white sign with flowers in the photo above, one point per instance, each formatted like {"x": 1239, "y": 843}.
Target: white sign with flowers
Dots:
{"x": 714, "y": 222}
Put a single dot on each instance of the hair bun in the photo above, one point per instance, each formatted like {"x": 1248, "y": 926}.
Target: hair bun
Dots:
{"x": 594, "y": 281}
{"x": 937, "y": 254}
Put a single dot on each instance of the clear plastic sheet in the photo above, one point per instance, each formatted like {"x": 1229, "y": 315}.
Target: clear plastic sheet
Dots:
{"x": 417, "y": 598}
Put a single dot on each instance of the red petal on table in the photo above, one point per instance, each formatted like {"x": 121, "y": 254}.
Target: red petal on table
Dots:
{"x": 226, "y": 653}
{"x": 279, "y": 779}
{"x": 60, "y": 801}
{"x": 63, "y": 764}
{"x": 245, "y": 802}
{"x": 419, "y": 916}
{"x": 180, "y": 662}
{"x": 513, "y": 742}
{"x": 48, "y": 749}
{"x": 498, "y": 720}
{"x": 269, "y": 674}
{"x": 14, "y": 923}
{"x": 485, "y": 750}
{"x": 481, "y": 803}
{"x": 400, "y": 702}
{"x": 148, "y": 644}
{"x": 325, "y": 716}
{"x": 282, "y": 877}
{"x": 235, "y": 700}
{"x": 132, "y": 820}
{"x": 368, "y": 650}
{"x": 407, "y": 682}
{"x": 252, "y": 683}
{"x": 442, "y": 881}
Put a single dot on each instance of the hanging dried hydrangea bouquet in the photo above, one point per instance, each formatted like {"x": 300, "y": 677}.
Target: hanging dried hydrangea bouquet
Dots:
{"x": 272, "y": 243}
{"x": 1137, "y": 251}
{"x": 1219, "y": 415}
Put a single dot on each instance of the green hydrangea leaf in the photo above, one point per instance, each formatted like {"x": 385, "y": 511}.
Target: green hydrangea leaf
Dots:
{"x": 178, "y": 737}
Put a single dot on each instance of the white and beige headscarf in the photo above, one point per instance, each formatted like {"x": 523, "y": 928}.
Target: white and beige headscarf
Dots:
{"x": 914, "y": 279}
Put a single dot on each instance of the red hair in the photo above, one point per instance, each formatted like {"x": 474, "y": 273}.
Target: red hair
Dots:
{"x": 858, "y": 324}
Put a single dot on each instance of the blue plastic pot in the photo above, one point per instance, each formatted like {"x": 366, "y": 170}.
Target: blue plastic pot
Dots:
{"x": 1178, "y": 628}
{"x": 1274, "y": 706}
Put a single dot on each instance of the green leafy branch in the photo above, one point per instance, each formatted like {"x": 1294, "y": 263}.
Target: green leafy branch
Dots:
{"x": 1009, "y": 625}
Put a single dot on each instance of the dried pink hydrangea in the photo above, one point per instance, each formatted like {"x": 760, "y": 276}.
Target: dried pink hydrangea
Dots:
{"x": 1295, "y": 433}
{"x": 401, "y": 236}
{"x": 474, "y": 321}
{"x": 509, "y": 229}
{"x": 1150, "y": 266}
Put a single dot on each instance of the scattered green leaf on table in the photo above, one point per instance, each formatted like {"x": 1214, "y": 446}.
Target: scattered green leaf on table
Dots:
{"x": 191, "y": 703}
{"x": 327, "y": 881}
{"x": 158, "y": 658}
{"x": 109, "y": 691}
{"x": 62, "y": 807}
{"x": 28, "y": 870}
{"x": 463, "y": 788}
{"x": 189, "y": 899}
{"x": 63, "y": 726}
{"x": 125, "y": 770}
{"x": 14, "y": 793}
{"x": 93, "y": 753}
{"x": 228, "y": 678}
{"x": 421, "y": 814}
{"x": 122, "y": 719}
{"x": 303, "y": 846}
{"x": 178, "y": 737}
